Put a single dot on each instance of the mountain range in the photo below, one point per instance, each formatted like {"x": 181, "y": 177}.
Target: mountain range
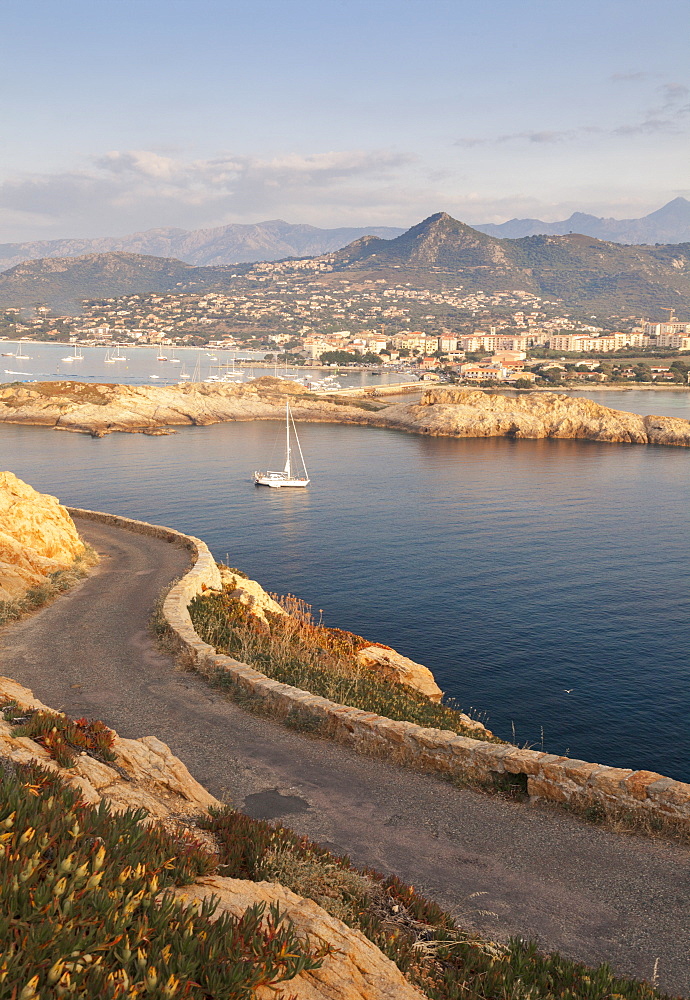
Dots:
{"x": 233, "y": 244}
{"x": 669, "y": 224}
{"x": 584, "y": 273}
{"x": 276, "y": 240}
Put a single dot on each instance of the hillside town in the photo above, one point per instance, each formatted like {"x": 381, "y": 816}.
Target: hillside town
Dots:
{"x": 483, "y": 337}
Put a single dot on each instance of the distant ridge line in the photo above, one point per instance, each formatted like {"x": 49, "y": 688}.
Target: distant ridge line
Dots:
{"x": 244, "y": 243}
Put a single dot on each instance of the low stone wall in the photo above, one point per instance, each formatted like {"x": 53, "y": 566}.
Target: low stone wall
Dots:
{"x": 542, "y": 775}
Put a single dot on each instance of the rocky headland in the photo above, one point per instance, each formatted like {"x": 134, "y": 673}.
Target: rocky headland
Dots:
{"x": 37, "y": 537}
{"x": 100, "y": 409}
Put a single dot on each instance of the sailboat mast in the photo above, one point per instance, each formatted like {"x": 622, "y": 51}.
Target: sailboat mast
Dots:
{"x": 288, "y": 469}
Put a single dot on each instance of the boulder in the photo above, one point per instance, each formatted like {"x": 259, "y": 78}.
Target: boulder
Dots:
{"x": 355, "y": 970}
{"x": 394, "y": 666}
{"x": 37, "y": 537}
{"x": 251, "y": 594}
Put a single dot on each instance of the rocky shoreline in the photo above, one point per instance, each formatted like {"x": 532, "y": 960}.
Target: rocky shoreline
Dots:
{"x": 100, "y": 409}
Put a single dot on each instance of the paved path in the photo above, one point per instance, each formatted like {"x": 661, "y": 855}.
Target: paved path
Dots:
{"x": 501, "y": 867}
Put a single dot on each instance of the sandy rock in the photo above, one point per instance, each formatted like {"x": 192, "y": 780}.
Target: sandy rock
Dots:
{"x": 443, "y": 411}
{"x": 37, "y": 537}
{"x": 102, "y": 409}
{"x": 250, "y": 593}
{"x": 394, "y": 666}
{"x": 471, "y": 413}
{"x": 356, "y": 970}
{"x": 146, "y": 773}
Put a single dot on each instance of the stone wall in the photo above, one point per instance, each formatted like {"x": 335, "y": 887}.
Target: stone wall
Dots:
{"x": 543, "y": 776}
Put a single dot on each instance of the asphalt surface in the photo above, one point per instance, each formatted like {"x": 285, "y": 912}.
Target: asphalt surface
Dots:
{"x": 502, "y": 868}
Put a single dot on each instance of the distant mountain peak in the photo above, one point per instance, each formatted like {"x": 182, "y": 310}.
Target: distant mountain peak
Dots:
{"x": 668, "y": 224}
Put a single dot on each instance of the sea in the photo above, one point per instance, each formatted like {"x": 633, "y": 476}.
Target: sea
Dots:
{"x": 545, "y": 583}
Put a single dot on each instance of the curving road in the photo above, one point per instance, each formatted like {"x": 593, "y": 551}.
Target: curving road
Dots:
{"x": 501, "y": 867}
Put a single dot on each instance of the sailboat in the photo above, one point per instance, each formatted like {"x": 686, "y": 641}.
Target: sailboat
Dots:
{"x": 77, "y": 356}
{"x": 20, "y": 350}
{"x": 287, "y": 476}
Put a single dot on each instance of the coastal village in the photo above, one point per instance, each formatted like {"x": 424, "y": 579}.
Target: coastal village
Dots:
{"x": 448, "y": 335}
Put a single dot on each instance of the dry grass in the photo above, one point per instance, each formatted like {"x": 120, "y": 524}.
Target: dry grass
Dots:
{"x": 296, "y": 650}
{"x": 45, "y": 593}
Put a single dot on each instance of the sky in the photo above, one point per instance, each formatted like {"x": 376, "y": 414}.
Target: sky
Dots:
{"x": 125, "y": 115}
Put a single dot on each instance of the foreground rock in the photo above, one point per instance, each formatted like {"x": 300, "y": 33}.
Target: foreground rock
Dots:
{"x": 356, "y": 969}
{"x": 146, "y": 774}
{"x": 394, "y": 666}
{"x": 448, "y": 412}
{"x": 37, "y": 537}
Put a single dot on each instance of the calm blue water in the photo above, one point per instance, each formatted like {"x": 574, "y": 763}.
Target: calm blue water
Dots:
{"x": 514, "y": 569}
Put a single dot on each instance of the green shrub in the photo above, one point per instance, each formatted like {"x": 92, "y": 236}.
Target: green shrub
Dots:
{"x": 84, "y": 910}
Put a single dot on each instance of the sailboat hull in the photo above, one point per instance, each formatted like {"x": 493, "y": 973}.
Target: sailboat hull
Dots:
{"x": 276, "y": 480}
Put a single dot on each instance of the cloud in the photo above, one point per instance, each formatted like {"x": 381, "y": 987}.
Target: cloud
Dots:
{"x": 636, "y": 77}
{"x": 130, "y": 189}
{"x": 543, "y": 137}
{"x": 665, "y": 117}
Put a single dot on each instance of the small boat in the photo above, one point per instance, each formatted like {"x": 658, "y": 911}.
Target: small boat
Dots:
{"x": 287, "y": 477}
{"x": 117, "y": 356}
{"x": 107, "y": 360}
{"x": 77, "y": 356}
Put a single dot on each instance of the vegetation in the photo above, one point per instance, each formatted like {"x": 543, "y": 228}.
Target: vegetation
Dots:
{"x": 43, "y": 593}
{"x": 295, "y": 650}
{"x": 84, "y": 910}
{"x": 346, "y": 358}
{"x": 61, "y": 736}
{"x": 423, "y": 940}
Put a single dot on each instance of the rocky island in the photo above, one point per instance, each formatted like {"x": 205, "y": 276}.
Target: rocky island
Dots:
{"x": 100, "y": 409}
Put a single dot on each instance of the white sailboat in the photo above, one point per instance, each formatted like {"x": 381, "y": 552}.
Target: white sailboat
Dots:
{"x": 117, "y": 356}
{"x": 20, "y": 352}
{"x": 287, "y": 477}
{"x": 77, "y": 356}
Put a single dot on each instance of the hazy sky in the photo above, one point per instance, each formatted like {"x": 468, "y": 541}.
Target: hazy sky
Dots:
{"x": 121, "y": 115}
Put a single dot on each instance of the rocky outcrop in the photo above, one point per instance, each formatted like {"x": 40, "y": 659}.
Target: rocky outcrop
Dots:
{"x": 102, "y": 409}
{"x": 145, "y": 774}
{"x": 471, "y": 413}
{"x": 251, "y": 594}
{"x": 393, "y": 665}
{"x": 37, "y": 537}
{"x": 355, "y": 969}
